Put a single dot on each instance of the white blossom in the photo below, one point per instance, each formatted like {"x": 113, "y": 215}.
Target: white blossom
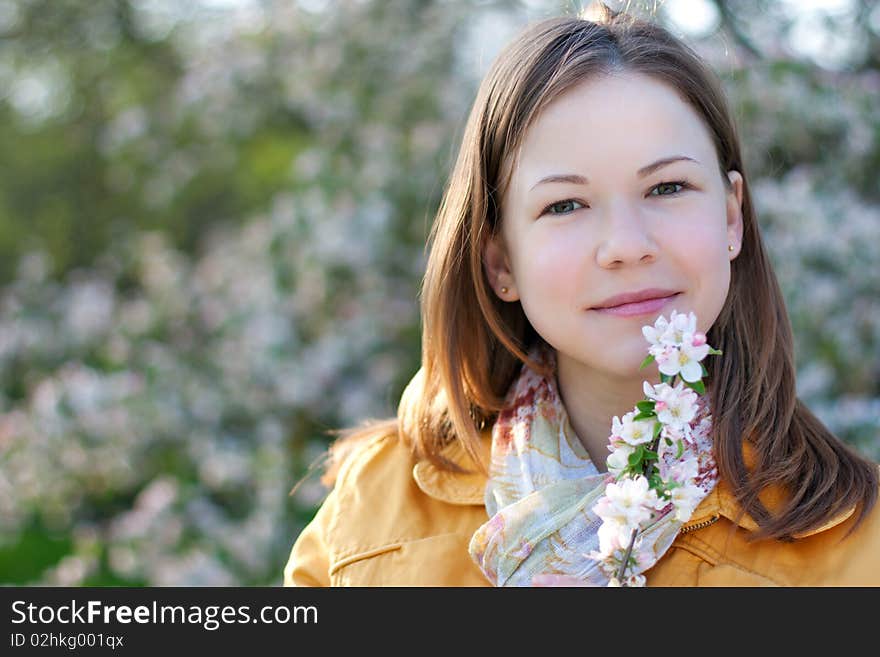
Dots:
{"x": 627, "y": 503}
{"x": 630, "y": 431}
{"x": 675, "y": 406}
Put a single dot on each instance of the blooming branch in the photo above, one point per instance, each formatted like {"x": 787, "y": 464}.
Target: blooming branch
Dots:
{"x": 647, "y": 485}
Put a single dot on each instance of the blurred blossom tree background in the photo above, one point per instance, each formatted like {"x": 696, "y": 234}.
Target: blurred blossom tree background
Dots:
{"x": 212, "y": 226}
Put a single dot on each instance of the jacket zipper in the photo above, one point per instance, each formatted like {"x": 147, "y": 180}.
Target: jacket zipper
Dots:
{"x": 699, "y": 525}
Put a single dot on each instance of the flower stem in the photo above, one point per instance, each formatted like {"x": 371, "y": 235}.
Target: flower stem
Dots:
{"x": 632, "y": 539}
{"x": 625, "y": 562}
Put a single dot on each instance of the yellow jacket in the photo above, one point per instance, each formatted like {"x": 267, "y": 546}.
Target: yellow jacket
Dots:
{"x": 391, "y": 522}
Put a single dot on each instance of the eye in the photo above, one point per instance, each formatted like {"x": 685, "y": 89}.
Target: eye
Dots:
{"x": 561, "y": 204}
{"x": 684, "y": 184}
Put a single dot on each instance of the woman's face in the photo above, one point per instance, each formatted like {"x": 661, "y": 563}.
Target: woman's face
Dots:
{"x": 629, "y": 224}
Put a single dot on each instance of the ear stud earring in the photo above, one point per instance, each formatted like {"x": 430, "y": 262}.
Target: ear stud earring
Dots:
{"x": 730, "y": 247}
{"x": 503, "y": 290}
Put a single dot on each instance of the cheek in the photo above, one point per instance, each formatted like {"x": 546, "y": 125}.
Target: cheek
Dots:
{"x": 703, "y": 256}
{"x": 699, "y": 237}
{"x": 550, "y": 266}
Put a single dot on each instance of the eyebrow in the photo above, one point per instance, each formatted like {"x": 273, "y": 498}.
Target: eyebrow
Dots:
{"x": 644, "y": 171}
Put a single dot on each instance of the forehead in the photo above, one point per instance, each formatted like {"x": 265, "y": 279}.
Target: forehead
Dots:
{"x": 611, "y": 125}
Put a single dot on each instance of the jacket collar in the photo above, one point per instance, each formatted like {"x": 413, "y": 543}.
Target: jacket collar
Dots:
{"x": 455, "y": 487}
{"x": 469, "y": 489}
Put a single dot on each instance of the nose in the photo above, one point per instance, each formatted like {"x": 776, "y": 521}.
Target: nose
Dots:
{"x": 626, "y": 238}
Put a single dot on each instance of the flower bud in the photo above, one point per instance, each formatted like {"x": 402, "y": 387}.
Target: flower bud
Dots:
{"x": 699, "y": 339}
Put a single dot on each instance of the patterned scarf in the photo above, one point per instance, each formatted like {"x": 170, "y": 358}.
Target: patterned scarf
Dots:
{"x": 542, "y": 488}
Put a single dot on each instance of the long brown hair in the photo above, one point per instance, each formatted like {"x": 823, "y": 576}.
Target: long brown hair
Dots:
{"x": 474, "y": 344}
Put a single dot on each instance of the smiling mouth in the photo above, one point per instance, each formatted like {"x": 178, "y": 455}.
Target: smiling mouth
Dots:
{"x": 637, "y": 308}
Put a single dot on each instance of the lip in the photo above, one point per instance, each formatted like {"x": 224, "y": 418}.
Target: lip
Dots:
{"x": 636, "y": 303}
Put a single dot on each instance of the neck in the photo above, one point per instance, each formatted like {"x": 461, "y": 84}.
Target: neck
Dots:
{"x": 591, "y": 399}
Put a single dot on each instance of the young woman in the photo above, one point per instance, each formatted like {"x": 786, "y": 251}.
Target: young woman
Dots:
{"x": 599, "y": 184}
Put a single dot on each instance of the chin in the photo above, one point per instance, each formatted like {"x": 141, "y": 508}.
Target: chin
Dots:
{"x": 628, "y": 365}
{"x": 625, "y": 368}
{"x": 618, "y": 358}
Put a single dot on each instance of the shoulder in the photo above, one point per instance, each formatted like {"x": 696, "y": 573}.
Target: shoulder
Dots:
{"x": 382, "y": 528}
{"x": 385, "y": 494}
{"x": 843, "y": 553}
{"x": 849, "y": 554}
{"x": 386, "y": 465}
{"x": 374, "y": 496}
{"x": 383, "y": 477}
{"x": 374, "y": 463}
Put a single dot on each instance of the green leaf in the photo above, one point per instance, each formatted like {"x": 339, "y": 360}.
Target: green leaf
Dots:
{"x": 665, "y": 378}
{"x": 635, "y": 458}
{"x": 680, "y": 450}
{"x": 647, "y": 405}
{"x": 651, "y": 456}
{"x": 668, "y": 441}
{"x": 715, "y": 352}
{"x": 647, "y": 361}
{"x": 705, "y": 371}
{"x": 696, "y": 385}
{"x": 644, "y": 415}
{"x": 658, "y": 427}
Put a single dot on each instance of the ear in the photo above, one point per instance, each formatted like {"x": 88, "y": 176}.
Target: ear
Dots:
{"x": 734, "y": 213}
{"x": 496, "y": 263}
